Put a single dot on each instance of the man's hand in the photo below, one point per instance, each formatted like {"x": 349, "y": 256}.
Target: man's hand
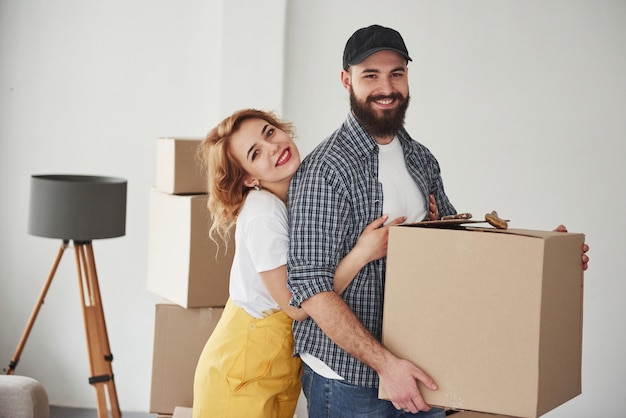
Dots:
{"x": 433, "y": 210}
{"x": 398, "y": 377}
{"x": 585, "y": 258}
{"x": 399, "y": 381}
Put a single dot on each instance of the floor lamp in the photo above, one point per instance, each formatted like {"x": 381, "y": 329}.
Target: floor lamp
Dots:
{"x": 80, "y": 209}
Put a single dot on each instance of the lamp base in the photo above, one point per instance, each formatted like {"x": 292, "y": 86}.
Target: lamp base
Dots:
{"x": 98, "y": 349}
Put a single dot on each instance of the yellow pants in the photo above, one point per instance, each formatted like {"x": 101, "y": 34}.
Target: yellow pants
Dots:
{"x": 246, "y": 368}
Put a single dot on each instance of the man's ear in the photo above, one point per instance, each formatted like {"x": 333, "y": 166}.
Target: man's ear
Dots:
{"x": 346, "y": 80}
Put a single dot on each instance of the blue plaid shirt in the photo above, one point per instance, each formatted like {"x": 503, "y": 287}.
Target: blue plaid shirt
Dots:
{"x": 334, "y": 195}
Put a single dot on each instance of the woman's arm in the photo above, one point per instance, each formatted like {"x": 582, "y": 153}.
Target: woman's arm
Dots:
{"x": 276, "y": 283}
{"x": 371, "y": 245}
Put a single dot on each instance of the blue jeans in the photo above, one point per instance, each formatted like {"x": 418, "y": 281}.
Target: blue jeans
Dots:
{"x": 330, "y": 398}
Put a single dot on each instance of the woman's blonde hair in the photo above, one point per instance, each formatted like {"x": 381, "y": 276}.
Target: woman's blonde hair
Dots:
{"x": 224, "y": 174}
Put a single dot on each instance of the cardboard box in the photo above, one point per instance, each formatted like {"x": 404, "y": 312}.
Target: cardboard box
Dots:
{"x": 472, "y": 414}
{"x": 179, "y": 337}
{"x": 180, "y": 412}
{"x": 184, "y": 265}
{"x": 177, "y": 167}
{"x": 494, "y": 316}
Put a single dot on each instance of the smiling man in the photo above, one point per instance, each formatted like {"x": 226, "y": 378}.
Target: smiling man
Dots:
{"x": 368, "y": 167}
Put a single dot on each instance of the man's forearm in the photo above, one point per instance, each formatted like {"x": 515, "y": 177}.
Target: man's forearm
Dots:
{"x": 342, "y": 326}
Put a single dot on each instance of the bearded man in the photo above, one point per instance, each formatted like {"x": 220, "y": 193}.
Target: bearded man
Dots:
{"x": 368, "y": 167}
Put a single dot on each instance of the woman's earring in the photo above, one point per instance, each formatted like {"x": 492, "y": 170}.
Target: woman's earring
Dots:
{"x": 257, "y": 187}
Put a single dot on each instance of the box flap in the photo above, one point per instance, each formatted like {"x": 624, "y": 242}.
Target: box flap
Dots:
{"x": 470, "y": 225}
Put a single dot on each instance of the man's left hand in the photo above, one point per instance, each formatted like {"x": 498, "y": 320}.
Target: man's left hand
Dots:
{"x": 585, "y": 258}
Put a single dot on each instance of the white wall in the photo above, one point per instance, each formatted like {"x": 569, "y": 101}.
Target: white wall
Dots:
{"x": 87, "y": 87}
{"x": 522, "y": 102}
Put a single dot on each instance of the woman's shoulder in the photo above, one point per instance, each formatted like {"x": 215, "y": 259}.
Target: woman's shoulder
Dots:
{"x": 263, "y": 203}
{"x": 263, "y": 196}
{"x": 262, "y": 211}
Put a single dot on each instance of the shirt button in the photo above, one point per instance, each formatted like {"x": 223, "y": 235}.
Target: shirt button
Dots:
{"x": 252, "y": 327}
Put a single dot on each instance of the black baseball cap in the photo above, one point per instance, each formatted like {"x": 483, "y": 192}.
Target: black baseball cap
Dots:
{"x": 366, "y": 41}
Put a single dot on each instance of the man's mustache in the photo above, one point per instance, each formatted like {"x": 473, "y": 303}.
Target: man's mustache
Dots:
{"x": 393, "y": 96}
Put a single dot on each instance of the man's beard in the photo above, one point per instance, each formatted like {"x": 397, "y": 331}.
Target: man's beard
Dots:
{"x": 386, "y": 125}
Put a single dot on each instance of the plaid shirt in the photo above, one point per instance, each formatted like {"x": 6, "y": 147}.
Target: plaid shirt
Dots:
{"x": 334, "y": 195}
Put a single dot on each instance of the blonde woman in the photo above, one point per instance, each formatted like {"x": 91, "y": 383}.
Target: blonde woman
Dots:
{"x": 247, "y": 368}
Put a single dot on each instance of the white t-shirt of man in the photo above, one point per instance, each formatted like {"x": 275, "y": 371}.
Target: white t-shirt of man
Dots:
{"x": 401, "y": 195}
{"x": 261, "y": 244}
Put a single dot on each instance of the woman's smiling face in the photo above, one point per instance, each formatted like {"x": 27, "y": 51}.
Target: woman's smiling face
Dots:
{"x": 269, "y": 155}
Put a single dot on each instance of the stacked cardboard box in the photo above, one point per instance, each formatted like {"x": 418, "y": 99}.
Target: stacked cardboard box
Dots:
{"x": 184, "y": 265}
{"x": 186, "y": 268}
{"x": 495, "y": 315}
{"x": 179, "y": 337}
{"x": 181, "y": 412}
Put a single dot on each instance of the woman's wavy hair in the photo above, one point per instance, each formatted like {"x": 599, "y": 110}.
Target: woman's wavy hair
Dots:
{"x": 224, "y": 174}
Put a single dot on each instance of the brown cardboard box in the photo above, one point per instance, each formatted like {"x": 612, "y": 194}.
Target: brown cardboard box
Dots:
{"x": 177, "y": 167}
{"x": 179, "y": 337}
{"x": 494, "y": 316}
{"x": 472, "y": 414}
{"x": 184, "y": 265}
{"x": 181, "y": 412}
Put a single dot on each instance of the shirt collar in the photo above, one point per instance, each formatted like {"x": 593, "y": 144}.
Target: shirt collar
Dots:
{"x": 361, "y": 142}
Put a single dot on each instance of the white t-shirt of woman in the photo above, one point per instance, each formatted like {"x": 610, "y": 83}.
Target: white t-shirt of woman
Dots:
{"x": 261, "y": 244}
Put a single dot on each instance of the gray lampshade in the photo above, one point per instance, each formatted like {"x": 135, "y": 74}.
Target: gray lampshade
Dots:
{"x": 76, "y": 207}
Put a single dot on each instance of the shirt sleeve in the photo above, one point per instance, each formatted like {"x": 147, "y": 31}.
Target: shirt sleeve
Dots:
{"x": 266, "y": 235}
{"x": 318, "y": 214}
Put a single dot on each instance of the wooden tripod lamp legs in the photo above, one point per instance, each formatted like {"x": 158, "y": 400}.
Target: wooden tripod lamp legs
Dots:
{"x": 98, "y": 350}
{"x": 33, "y": 315}
{"x": 100, "y": 356}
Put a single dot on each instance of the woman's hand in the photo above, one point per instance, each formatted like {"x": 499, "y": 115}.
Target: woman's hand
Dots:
{"x": 372, "y": 244}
